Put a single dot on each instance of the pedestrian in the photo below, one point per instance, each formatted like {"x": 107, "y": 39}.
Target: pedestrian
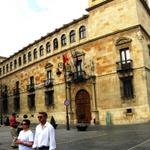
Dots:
{"x": 44, "y": 134}
{"x": 13, "y": 129}
{"x": 25, "y": 138}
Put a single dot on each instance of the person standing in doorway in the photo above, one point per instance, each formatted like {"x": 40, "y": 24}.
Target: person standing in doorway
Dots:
{"x": 25, "y": 138}
{"x": 44, "y": 134}
{"x": 13, "y": 129}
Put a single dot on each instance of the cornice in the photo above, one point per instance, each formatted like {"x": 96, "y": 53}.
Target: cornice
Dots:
{"x": 98, "y": 5}
{"x": 145, "y": 6}
{"x": 76, "y": 46}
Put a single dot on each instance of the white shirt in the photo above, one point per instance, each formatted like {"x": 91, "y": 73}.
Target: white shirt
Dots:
{"x": 45, "y": 136}
{"x": 25, "y": 136}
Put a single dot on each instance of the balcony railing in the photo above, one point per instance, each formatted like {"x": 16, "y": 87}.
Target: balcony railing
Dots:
{"x": 79, "y": 76}
{"x": 30, "y": 88}
{"x": 123, "y": 66}
{"x": 48, "y": 83}
{"x": 16, "y": 91}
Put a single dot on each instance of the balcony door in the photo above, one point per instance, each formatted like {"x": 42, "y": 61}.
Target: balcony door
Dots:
{"x": 124, "y": 55}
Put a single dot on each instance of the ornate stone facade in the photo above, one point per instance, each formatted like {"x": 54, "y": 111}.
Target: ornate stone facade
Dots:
{"x": 99, "y": 63}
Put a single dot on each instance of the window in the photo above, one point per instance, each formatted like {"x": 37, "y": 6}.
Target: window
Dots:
{"x": 35, "y": 53}
{"x": 72, "y": 36}
{"x": 41, "y": 50}
{"x": 7, "y": 68}
{"x": 79, "y": 68}
{"x": 149, "y": 49}
{"x": 49, "y": 74}
{"x": 19, "y": 61}
{"x": 82, "y": 32}
{"x": 17, "y": 84}
{"x": 31, "y": 80}
{"x": 31, "y": 101}
{"x": 30, "y": 86}
{"x": 49, "y": 98}
{"x": 17, "y": 103}
{"x": 11, "y": 66}
{"x": 63, "y": 40}
{"x": 127, "y": 87}
{"x": 15, "y": 64}
{"x": 29, "y": 56}
{"x": 3, "y": 69}
{"x": 48, "y": 47}
{"x": 0, "y": 71}
{"x": 24, "y": 59}
{"x": 5, "y": 99}
{"x": 125, "y": 55}
{"x": 16, "y": 89}
{"x": 55, "y": 43}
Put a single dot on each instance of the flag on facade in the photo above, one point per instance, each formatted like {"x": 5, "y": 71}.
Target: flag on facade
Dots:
{"x": 65, "y": 59}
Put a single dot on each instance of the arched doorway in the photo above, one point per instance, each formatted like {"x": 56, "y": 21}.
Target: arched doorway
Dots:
{"x": 83, "y": 108}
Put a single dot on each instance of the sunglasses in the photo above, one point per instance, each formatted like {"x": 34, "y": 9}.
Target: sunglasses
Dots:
{"x": 24, "y": 124}
{"x": 39, "y": 117}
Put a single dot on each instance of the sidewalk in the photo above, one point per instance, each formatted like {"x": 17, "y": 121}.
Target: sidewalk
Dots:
{"x": 127, "y": 137}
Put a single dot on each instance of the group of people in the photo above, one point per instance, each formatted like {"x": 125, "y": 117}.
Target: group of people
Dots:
{"x": 44, "y": 138}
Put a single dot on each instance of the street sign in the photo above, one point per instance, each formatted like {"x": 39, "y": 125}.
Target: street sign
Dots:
{"x": 66, "y": 102}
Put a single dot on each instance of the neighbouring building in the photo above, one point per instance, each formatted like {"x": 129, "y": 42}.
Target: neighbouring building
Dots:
{"x": 98, "y": 66}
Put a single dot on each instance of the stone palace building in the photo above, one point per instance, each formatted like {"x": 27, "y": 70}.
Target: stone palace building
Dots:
{"x": 95, "y": 69}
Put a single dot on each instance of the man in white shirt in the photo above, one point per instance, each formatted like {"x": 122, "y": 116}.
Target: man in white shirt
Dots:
{"x": 44, "y": 134}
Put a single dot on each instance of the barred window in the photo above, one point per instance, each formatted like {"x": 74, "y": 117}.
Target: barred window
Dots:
{"x": 17, "y": 103}
{"x": 5, "y": 99}
{"x": 127, "y": 87}
{"x": 31, "y": 101}
{"x": 49, "y": 98}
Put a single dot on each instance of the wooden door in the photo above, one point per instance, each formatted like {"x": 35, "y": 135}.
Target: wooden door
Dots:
{"x": 83, "y": 108}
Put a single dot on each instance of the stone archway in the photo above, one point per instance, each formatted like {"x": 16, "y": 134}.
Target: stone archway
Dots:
{"x": 83, "y": 107}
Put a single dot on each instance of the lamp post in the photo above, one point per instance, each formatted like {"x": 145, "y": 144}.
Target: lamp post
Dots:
{"x": 66, "y": 102}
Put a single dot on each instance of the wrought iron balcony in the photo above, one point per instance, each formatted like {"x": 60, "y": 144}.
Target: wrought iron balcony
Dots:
{"x": 124, "y": 66}
{"x": 48, "y": 83}
{"x": 16, "y": 91}
{"x": 30, "y": 88}
{"x": 79, "y": 76}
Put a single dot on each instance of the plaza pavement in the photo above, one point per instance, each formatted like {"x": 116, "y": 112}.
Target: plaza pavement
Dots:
{"x": 126, "y": 137}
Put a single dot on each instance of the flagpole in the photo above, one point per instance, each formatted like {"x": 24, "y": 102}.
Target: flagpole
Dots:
{"x": 65, "y": 76}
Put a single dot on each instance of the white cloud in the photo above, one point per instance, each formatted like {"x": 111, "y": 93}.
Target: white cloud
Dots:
{"x": 22, "y": 22}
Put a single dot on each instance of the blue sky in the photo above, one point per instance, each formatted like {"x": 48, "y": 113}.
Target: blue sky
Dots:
{"x": 24, "y": 21}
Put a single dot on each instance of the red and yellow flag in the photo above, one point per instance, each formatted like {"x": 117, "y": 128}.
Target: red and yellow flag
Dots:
{"x": 65, "y": 59}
